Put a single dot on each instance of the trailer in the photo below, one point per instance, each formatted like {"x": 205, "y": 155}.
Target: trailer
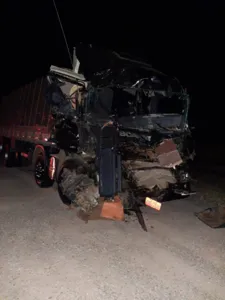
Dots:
{"x": 25, "y": 121}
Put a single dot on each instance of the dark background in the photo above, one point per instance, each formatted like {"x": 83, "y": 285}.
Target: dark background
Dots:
{"x": 181, "y": 38}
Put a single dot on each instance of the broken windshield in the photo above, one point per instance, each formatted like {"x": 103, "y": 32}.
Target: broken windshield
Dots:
{"x": 125, "y": 102}
{"x": 130, "y": 102}
{"x": 137, "y": 91}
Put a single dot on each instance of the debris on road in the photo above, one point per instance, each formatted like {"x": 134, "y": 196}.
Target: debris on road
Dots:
{"x": 213, "y": 217}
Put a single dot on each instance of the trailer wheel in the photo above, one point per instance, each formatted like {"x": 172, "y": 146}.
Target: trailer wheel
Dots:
{"x": 41, "y": 172}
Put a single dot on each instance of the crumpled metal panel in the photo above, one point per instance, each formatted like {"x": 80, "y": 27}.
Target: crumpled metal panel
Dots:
{"x": 148, "y": 175}
{"x": 170, "y": 159}
{"x": 167, "y": 154}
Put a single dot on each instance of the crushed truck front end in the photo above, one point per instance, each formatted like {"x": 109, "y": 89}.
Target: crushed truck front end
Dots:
{"x": 126, "y": 129}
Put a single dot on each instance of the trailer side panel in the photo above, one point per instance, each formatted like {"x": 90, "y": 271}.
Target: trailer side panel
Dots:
{"x": 24, "y": 113}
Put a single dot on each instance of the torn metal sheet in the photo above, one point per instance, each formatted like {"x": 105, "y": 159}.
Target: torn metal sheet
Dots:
{"x": 147, "y": 175}
{"x": 213, "y": 217}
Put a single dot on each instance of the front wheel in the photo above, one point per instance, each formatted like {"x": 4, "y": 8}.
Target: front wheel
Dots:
{"x": 77, "y": 187}
{"x": 41, "y": 172}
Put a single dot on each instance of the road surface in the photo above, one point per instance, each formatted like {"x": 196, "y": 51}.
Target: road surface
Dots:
{"x": 48, "y": 253}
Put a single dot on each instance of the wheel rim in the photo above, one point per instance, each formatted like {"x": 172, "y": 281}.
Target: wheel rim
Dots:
{"x": 39, "y": 171}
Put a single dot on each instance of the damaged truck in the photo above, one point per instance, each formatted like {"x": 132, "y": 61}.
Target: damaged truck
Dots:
{"x": 112, "y": 135}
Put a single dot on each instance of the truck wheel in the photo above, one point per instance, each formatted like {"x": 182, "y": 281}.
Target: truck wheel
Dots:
{"x": 64, "y": 198}
{"x": 67, "y": 182}
{"x": 75, "y": 186}
{"x": 9, "y": 157}
{"x": 41, "y": 172}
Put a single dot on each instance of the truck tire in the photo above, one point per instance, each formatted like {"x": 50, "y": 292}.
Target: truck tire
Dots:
{"x": 9, "y": 157}
{"x": 75, "y": 186}
{"x": 41, "y": 172}
{"x": 68, "y": 197}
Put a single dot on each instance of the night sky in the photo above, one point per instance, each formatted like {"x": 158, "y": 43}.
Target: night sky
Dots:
{"x": 184, "y": 40}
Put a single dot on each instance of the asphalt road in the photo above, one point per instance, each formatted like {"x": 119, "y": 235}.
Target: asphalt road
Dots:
{"x": 48, "y": 253}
